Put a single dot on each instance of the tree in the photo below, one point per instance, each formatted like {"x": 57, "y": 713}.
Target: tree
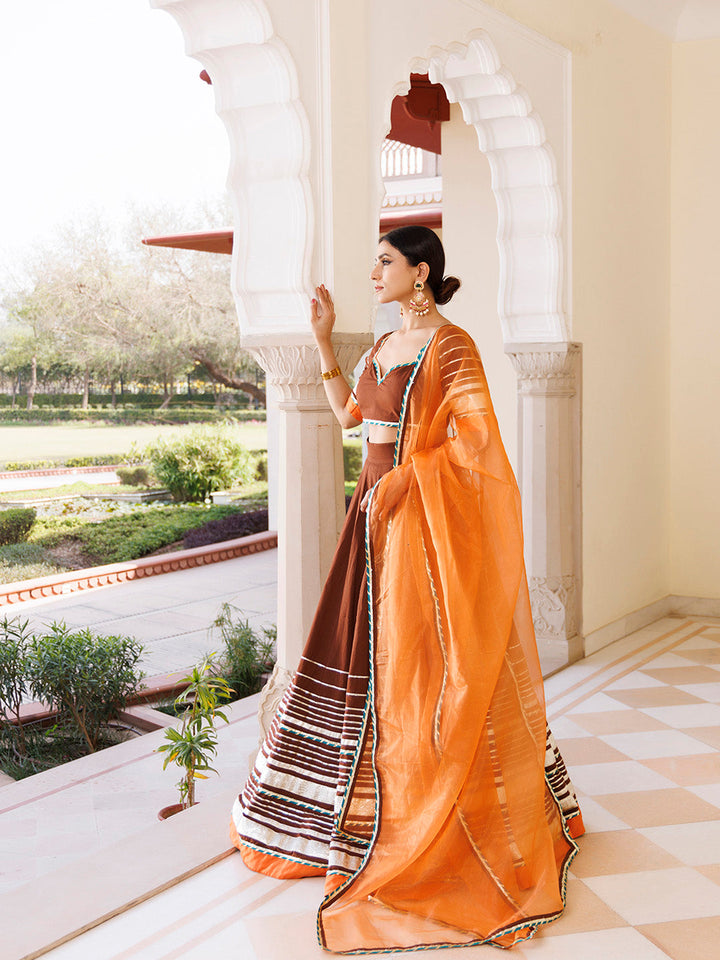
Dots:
{"x": 197, "y": 295}
{"x": 109, "y": 308}
{"x": 28, "y": 340}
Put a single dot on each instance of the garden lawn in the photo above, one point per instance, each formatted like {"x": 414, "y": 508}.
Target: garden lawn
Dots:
{"x": 68, "y": 490}
{"x": 126, "y": 536}
{"x": 81, "y": 533}
{"x": 28, "y": 442}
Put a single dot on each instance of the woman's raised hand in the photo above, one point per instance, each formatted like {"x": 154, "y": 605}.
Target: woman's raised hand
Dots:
{"x": 322, "y": 314}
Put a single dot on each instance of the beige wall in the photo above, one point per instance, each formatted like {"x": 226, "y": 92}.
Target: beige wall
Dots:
{"x": 614, "y": 175}
{"x": 695, "y": 336}
{"x": 621, "y": 75}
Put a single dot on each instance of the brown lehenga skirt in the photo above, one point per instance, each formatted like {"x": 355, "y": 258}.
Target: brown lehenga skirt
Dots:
{"x": 284, "y": 822}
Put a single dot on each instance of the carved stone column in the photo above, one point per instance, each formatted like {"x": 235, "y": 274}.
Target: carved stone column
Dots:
{"x": 549, "y": 475}
{"x": 310, "y": 491}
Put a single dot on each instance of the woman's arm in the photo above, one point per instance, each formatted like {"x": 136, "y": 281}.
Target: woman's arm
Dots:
{"x": 337, "y": 390}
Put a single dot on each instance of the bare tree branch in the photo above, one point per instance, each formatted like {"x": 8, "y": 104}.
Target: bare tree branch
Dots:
{"x": 227, "y": 380}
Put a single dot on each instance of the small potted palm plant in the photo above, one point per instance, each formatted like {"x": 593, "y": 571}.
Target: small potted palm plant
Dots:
{"x": 193, "y": 744}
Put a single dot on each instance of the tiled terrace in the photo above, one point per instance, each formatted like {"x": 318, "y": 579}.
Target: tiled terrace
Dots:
{"x": 638, "y": 722}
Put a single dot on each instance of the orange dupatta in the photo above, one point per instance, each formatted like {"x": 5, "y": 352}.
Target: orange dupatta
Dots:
{"x": 466, "y": 841}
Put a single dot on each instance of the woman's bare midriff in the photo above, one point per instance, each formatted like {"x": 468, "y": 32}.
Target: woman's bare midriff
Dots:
{"x": 378, "y": 434}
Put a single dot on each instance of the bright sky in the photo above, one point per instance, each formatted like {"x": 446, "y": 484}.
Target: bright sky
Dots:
{"x": 99, "y": 107}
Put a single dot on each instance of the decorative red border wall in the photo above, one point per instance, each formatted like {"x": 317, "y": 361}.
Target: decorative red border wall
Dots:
{"x": 57, "y": 471}
{"x": 60, "y": 584}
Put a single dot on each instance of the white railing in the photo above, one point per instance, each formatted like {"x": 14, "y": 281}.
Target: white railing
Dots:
{"x": 400, "y": 160}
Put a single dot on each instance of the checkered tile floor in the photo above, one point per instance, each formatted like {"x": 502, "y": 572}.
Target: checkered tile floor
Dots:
{"x": 639, "y": 726}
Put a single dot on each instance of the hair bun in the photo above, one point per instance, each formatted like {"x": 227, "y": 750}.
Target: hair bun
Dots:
{"x": 448, "y": 288}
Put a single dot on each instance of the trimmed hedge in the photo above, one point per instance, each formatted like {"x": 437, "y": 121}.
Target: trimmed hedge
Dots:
{"x": 12, "y": 465}
{"x": 137, "y": 476}
{"x": 132, "y": 535}
{"x": 101, "y": 460}
{"x": 49, "y": 415}
{"x": 129, "y": 400}
{"x": 227, "y": 528}
{"x": 15, "y": 524}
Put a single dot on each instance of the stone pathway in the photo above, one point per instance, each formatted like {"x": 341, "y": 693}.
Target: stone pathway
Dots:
{"x": 171, "y": 614}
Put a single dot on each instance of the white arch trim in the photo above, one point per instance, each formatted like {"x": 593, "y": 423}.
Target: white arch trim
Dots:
{"x": 524, "y": 182}
{"x": 256, "y": 95}
{"x": 256, "y": 90}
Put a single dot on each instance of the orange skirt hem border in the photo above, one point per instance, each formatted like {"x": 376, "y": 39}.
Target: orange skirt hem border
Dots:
{"x": 266, "y": 863}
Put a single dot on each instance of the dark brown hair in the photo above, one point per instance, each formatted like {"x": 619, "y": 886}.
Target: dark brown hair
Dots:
{"x": 422, "y": 245}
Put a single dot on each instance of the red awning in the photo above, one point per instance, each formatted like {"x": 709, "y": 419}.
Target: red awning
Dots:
{"x": 211, "y": 241}
{"x": 416, "y": 117}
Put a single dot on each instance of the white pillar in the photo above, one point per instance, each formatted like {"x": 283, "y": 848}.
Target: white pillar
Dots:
{"x": 310, "y": 493}
{"x": 549, "y": 476}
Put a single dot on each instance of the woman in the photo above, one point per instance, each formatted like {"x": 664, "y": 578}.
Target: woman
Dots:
{"x": 409, "y": 762}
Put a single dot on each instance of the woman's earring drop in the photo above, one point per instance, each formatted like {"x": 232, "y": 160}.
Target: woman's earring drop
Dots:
{"x": 419, "y": 303}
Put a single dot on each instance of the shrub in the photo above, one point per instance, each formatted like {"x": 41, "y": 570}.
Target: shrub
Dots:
{"x": 134, "y": 457}
{"x": 14, "y": 465}
{"x": 15, "y": 524}
{"x": 101, "y": 460}
{"x": 247, "y": 654}
{"x": 138, "y": 476}
{"x": 352, "y": 460}
{"x": 14, "y": 637}
{"x": 227, "y": 528}
{"x": 87, "y": 678}
{"x": 195, "y": 465}
{"x": 194, "y": 744}
{"x": 132, "y": 535}
{"x": 49, "y": 415}
{"x": 261, "y": 464}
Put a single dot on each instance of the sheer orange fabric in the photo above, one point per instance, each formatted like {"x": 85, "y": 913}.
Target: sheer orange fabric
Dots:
{"x": 467, "y": 842}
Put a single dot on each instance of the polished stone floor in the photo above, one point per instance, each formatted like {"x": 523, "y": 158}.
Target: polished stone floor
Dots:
{"x": 638, "y": 723}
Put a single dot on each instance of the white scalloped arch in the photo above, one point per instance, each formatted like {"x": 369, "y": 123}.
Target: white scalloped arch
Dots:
{"x": 256, "y": 95}
{"x": 256, "y": 89}
{"x": 524, "y": 183}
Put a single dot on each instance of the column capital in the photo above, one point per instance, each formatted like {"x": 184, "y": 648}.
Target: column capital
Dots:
{"x": 292, "y": 363}
{"x": 545, "y": 369}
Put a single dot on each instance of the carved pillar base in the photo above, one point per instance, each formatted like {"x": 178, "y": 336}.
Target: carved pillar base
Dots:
{"x": 310, "y": 492}
{"x": 270, "y": 697}
{"x": 549, "y": 401}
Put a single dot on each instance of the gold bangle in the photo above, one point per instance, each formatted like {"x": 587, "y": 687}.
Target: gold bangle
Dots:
{"x": 331, "y": 373}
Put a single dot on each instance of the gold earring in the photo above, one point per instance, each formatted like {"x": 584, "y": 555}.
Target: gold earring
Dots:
{"x": 419, "y": 303}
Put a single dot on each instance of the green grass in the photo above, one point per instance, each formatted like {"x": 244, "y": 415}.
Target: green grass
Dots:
{"x": 68, "y": 490}
{"x": 25, "y": 561}
{"x": 251, "y": 496}
{"x": 29, "y": 442}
